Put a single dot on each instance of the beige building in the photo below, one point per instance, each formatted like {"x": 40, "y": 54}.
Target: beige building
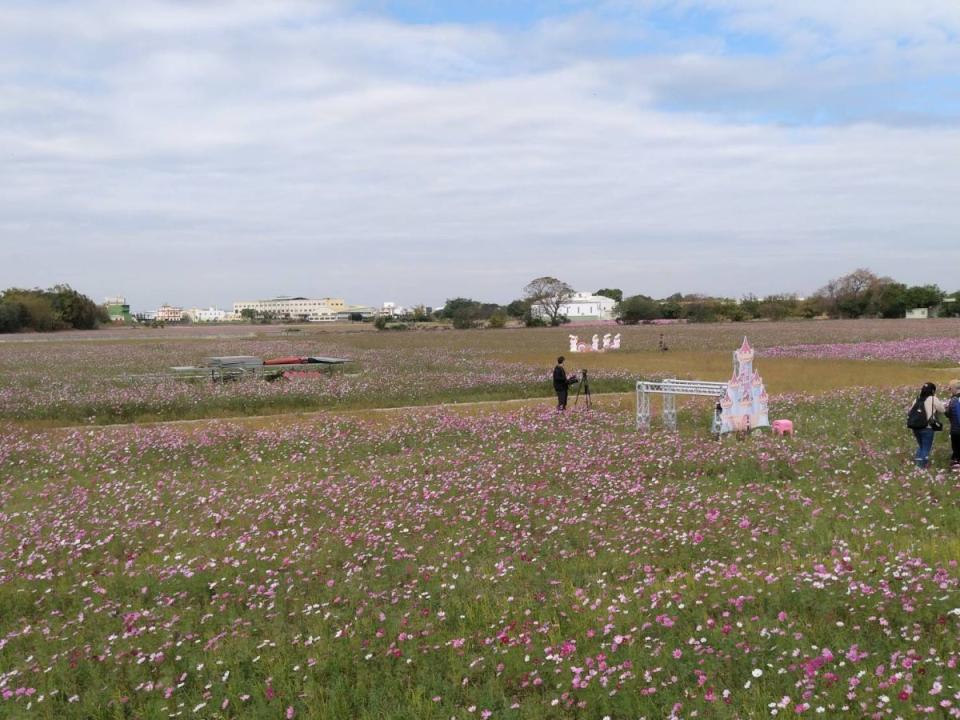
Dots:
{"x": 295, "y": 308}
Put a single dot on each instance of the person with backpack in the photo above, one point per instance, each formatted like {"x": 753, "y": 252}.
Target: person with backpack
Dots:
{"x": 922, "y": 419}
{"x": 953, "y": 414}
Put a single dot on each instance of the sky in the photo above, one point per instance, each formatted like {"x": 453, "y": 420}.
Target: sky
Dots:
{"x": 200, "y": 152}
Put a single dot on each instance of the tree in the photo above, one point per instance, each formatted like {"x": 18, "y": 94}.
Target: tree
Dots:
{"x": 924, "y": 296}
{"x": 498, "y": 319}
{"x": 548, "y": 296}
{"x": 637, "y": 309}
{"x": 12, "y": 315}
{"x": 613, "y": 293}
{"x": 778, "y": 307}
{"x": 892, "y": 300}
{"x": 37, "y": 311}
{"x": 853, "y": 295}
{"x": 248, "y": 314}
{"x": 518, "y": 308}
{"x": 75, "y": 309}
{"x": 750, "y": 304}
{"x": 451, "y": 307}
{"x": 466, "y": 316}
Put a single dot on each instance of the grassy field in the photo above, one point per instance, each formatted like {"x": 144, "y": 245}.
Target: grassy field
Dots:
{"x": 121, "y": 375}
{"x": 491, "y": 561}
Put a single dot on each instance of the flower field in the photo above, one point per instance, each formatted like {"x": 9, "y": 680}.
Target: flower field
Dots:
{"x": 116, "y": 382}
{"x": 512, "y": 565}
{"x": 121, "y": 375}
{"x": 945, "y": 350}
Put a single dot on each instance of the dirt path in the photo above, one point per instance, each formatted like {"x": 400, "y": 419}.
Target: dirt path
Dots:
{"x": 606, "y": 401}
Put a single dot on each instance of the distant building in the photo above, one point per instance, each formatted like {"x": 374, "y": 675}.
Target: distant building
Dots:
{"x": 583, "y": 306}
{"x": 210, "y": 314}
{"x": 168, "y": 313}
{"x": 918, "y": 314}
{"x": 350, "y": 312}
{"x": 294, "y": 308}
{"x": 118, "y": 309}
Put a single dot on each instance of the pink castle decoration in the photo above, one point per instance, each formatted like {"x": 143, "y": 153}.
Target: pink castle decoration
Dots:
{"x": 744, "y": 405}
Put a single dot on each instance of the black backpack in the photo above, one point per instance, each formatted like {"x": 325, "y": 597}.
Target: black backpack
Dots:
{"x": 917, "y": 417}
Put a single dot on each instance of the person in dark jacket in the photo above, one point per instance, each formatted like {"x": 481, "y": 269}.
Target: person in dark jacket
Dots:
{"x": 561, "y": 384}
{"x": 953, "y": 414}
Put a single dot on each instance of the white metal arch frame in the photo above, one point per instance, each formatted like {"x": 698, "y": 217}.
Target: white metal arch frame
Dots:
{"x": 669, "y": 389}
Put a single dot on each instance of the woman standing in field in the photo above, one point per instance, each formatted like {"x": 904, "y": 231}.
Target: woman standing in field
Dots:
{"x": 922, "y": 419}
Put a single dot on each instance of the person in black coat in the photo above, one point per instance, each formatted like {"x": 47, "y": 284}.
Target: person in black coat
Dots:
{"x": 561, "y": 384}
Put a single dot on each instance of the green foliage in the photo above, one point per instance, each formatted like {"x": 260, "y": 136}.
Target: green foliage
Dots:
{"x": 924, "y": 296}
{"x": 12, "y": 316}
{"x": 637, "y": 308}
{"x": 455, "y": 305}
{"x": 36, "y": 309}
{"x": 612, "y": 293}
{"x": 498, "y": 319}
{"x": 863, "y": 294}
{"x": 532, "y": 321}
{"x": 76, "y": 310}
{"x": 518, "y": 308}
{"x": 465, "y": 318}
{"x": 892, "y": 300}
{"x": 380, "y": 323}
{"x": 58, "y": 308}
{"x": 249, "y": 314}
{"x": 467, "y": 313}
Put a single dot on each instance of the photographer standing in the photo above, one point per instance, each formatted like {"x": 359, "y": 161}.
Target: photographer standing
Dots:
{"x": 561, "y": 384}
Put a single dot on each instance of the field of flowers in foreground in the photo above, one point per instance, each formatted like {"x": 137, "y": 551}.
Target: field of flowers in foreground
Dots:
{"x": 504, "y": 566}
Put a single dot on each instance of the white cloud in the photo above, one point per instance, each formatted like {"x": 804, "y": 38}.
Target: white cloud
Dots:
{"x": 286, "y": 148}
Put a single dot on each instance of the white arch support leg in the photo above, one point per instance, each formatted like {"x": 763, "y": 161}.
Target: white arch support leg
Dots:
{"x": 670, "y": 412}
{"x": 643, "y": 408}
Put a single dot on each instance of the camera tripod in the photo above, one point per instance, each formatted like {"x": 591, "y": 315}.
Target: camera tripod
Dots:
{"x": 585, "y": 387}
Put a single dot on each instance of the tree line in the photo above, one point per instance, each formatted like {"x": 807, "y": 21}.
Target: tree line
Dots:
{"x": 57, "y": 308}
{"x": 859, "y": 294}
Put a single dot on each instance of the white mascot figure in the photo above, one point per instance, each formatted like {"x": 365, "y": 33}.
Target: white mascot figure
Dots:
{"x": 606, "y": 341}
{"x": 595, "y": 344}
{"x": 574, "y": 343}
{"x": 615, "y": 345}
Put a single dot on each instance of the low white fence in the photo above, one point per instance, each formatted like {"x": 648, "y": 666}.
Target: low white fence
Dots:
{"x": 669, "y": 389}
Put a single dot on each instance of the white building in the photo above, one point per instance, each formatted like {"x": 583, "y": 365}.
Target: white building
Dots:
{"x": 168, "y": 313}
{"x": 583, "y": 306}
{"x": 294, "y": 308}
{"x": 391, "y": 309}
{"x": 351, "y": 311}
{"x": 210, "y": 314}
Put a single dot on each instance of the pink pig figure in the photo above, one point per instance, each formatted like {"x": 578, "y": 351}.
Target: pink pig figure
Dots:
{"x": 782, "y": 427}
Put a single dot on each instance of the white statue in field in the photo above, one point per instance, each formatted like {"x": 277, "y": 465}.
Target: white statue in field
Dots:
{"x": 615, "y": 344}
{"x": 574, "y": 343}
{"x": 606, "y": 341}
{"x": 595, "y": 343}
